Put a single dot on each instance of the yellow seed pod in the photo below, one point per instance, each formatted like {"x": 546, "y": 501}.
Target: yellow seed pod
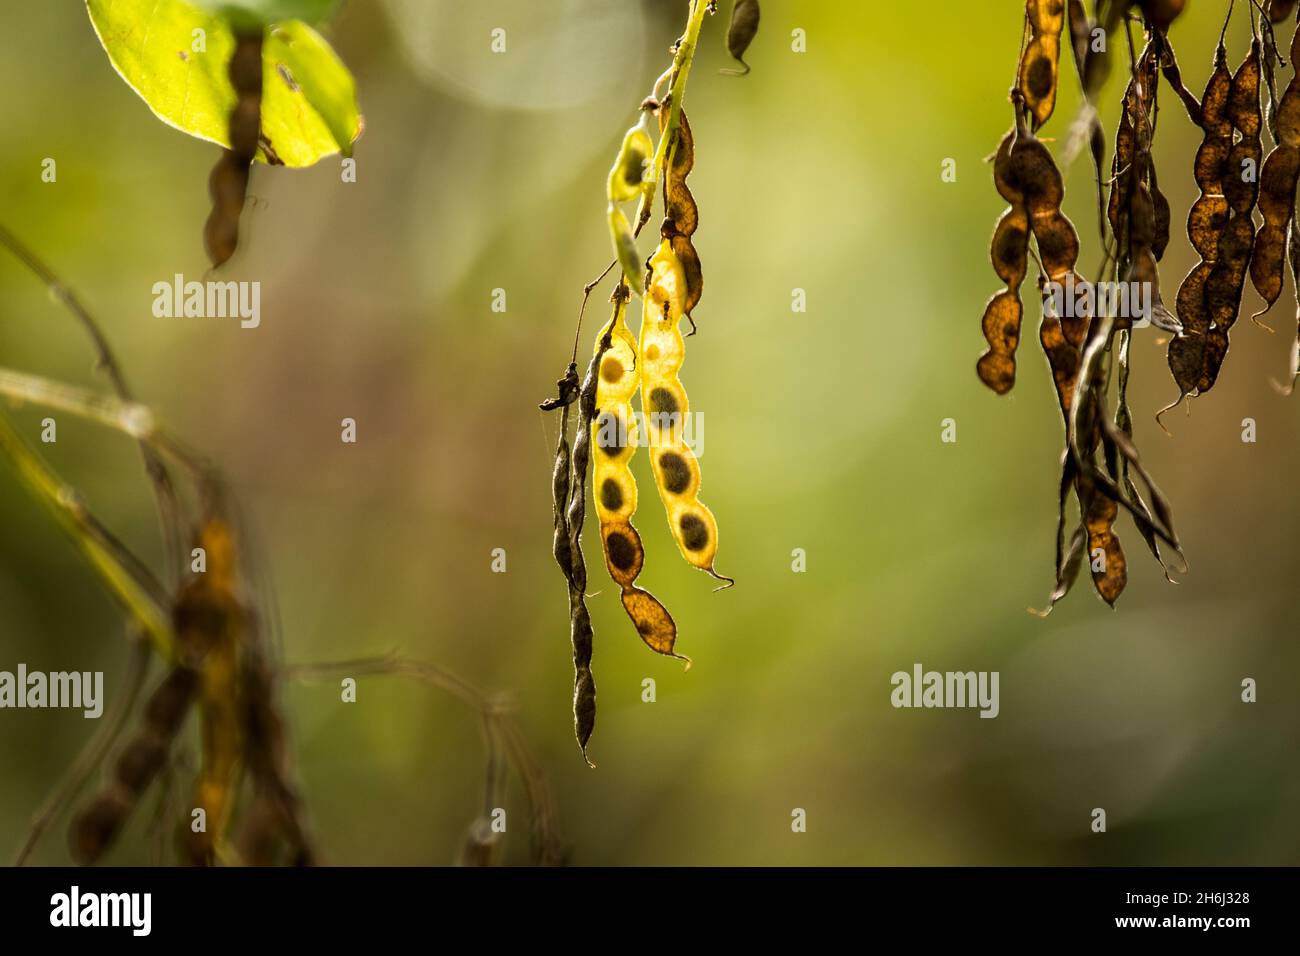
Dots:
{"x": 211, "y": 619}
{"x": 215, "y": 788}
{"x": 665, "y": 409}
{"x": 627, "y": 177}
{"x": 620, "y": 233}
{"x": 614, "y": 437}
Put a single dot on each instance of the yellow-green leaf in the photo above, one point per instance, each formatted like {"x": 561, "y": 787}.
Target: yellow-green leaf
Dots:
{"x": 174, "y": 55}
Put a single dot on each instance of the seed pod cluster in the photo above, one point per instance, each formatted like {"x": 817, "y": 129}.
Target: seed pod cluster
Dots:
{"x": 623, "y": 364}
{"x": 1079, "y": 327}
{"x": 228, "y": 183}
{"x": 614, "y": 433}
{"x": 222, "y": 672}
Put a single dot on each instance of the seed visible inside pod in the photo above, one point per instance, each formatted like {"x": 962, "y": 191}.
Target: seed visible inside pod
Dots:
{"x": 695, "y": 533}
{"x": 676, "y": 473}
{"x": 611, "y": 495}
{"x": 622, "y": 553}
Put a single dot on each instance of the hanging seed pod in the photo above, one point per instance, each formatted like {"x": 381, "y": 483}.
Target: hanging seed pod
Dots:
{"x": 1226, "y": 282}
{"x": 569, "y": 485}
{"x": 1081, "y": 29}
{"x": 1279, "y": 10}
{"x": 217, "y": 617}
{"x": 741, "y": 33}
{"x": 629, "y": 260}
{"x": 228, "y": 183}
{"x": 1161, "y": 13}
{"x": 1277, "y": 193}
{"x": 614, "y": 434}
{"x": 627, "y": 177}
{"x": 1206, "y": 223}
{"x": 665, "y": 408}
{"x": 1039, "y": 66}
{"x": 681, "y": 215}
{"x": 1009, "y": 252}
{"x": 94, "y": 830}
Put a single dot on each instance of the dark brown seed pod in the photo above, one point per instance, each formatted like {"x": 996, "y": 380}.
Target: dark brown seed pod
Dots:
{"x": 1206, "y": 222}
{"x": 228, "y": 183}
{"x": 1279, "y": 10}
{"x": 1106, "y": 556}
{"x": 1161, "y": 13}
{"x": 1058, "y": 243}
{"x": 1009, "y": 253}
{"x": 1081, "y": 28}
{"x": 1039, "y": 67}
{"x": 1224, "y": 286}
{"x": 1277, "y": 194}
{"x": 681, "y": 214}
{"x": 93, "y": 831}
{"x": 574, "y": 513}
{"x": 1161, "y": 218}
{"x": 741, "y": 33}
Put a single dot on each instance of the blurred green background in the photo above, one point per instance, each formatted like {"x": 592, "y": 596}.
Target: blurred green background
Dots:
{"x": 819, "y": 171}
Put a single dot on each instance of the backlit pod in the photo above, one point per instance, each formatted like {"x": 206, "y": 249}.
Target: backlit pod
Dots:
{"x": 614, "y": 435}
{"x": 211, "y": 609}
{"x": 627, "y": 182}
{"x": 665, "y": 408}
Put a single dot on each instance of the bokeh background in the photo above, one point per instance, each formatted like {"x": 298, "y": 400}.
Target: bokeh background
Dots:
{"x": 819, "y": 171}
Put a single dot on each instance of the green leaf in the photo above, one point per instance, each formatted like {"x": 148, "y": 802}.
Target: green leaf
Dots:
{"x": 303, "y": 59}
{"x": 309, "y": 106}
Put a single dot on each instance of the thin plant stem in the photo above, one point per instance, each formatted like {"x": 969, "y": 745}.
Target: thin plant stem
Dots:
{"x": 164, "y": 491}
{"x": 127, "y": 579}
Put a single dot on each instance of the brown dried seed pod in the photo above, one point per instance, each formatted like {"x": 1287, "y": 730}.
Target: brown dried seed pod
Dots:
{"x": 92, "y": 831}
{"x": 1186, "y": 354}
{"x": 1105, "y": 555}
{"x": 1279, "y": 10}
{"x": 584, "y": 686}
{"x": 741, "y": 32}
{"x": 1039, "y": 67}
{"x": 1226, "y": 282}
{"x": 1081, "y": 28}
{"x": 1161, "y": 217}
{"x": 228, "y": 183}
{"x": 681, "y": 214}
{"x": 1277, "y": 193}
{"x": 1009, "y": 253}
{"x": 1161, "y": 13}
{"x": 1206, "y": 222}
